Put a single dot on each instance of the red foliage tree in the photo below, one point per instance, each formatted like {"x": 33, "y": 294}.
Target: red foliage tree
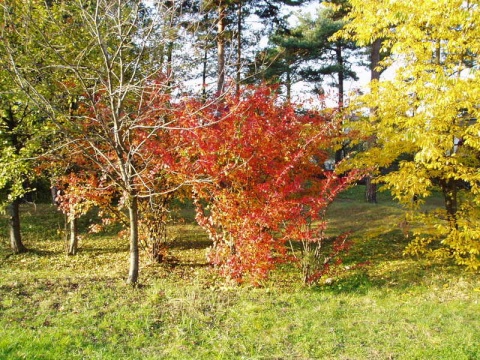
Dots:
{"x": 259, "y": 179}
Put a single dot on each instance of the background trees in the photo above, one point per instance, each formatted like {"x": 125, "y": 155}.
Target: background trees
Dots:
{"x": 20, "y": 135}
{"x": 328, "y": 57}
{"x": 306, "y": 52}
{"x": 230, "y": 32}
{"x": 23, "y": 128}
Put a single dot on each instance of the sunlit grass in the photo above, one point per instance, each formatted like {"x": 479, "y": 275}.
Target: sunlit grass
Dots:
{"x": 57, "y": 307}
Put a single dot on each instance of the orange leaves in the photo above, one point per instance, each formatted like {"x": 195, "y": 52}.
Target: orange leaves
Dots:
{"x": 78, "y": 192}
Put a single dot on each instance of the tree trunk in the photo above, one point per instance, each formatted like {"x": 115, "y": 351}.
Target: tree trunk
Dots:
{"x": 73, "y": 243}
{"x": 370, "y": 190}
{"x": 339, "y": 154}
{"x": 371, "y": 187}
{"x": 340, "y": 75}
{"x": 375, "y": 59}
{"x": 204, "y": 74}
{"x": 289, "y": 84}
{"x": 169, "y": 64}
{"x": 134, "y": 253}
{"x": 239, "y": 48}
{"x": 449, "y": 189}
{"x": 14, "y": 227}
{"x": 221, "y": 49}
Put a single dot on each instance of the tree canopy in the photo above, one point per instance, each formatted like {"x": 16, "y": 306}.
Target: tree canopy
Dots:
{"x": 426, "y": 116}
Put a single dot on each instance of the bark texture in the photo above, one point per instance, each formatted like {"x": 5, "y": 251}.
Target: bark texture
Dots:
{"x": 134, "y": 253}
{"x": 371, "y": 187}
{"x": 14, "y": 227}
{"x": 73, "y": 243}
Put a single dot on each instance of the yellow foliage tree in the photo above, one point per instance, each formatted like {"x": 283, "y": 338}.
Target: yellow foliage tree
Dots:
{"x": 426, "y": 115}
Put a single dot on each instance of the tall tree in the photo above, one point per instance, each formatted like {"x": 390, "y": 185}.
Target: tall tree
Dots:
{"x": 330, "y": 57}
{"x": 103, "y": 53}
{"x": 221, "y": 43}
{"x": 307, "y": 52}
{"x": 375, "y": 72}
{"x": 224, "y": 9}
{"x": 281, "y": 62}
{"x": 22, "y": 128}
{"x": 428, "y": 112}
{"x": 234, "y": 34}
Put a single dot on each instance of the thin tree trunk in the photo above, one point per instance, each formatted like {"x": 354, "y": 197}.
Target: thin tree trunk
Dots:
{"x": 14, "y": 227}
{"x": 134, "y": 253}
{"x": 14, "y": 207}
{"x": 371, "y": 187}
{"x": 169, "y": 64}
{"x": 73, "y": 243}
{"x": 339, "y": 154}
{"x": 341, "y": 76}
{"x": 204, "y": 74}
{"x": 239, "y": 48}
{"x": 221, "y": 49}
{"x": 289, "y": 85}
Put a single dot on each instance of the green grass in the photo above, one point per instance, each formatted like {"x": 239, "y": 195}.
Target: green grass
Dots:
{"x": 58, "y": 307}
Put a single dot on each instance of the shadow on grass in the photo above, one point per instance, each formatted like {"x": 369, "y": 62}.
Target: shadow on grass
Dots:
{"x": 196, "y": 244}
{"x": 176, "y": 263}
{"x": 400, "y": 278}
{"x": 103, "y": 250}
{"x": 43, "y": 252}
{"x": 189, "y": 238}
{"x": 384, "y": 266}
{"x": 8, "y": 254}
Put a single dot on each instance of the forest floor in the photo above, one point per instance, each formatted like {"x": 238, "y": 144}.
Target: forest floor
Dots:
{"x": 397, "y": 307}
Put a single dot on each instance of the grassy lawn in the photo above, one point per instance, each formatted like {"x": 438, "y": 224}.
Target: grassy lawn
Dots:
{"x": 58, "y": 307}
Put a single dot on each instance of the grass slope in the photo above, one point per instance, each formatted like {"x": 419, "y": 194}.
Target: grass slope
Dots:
{"x": 58, "y": 307}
